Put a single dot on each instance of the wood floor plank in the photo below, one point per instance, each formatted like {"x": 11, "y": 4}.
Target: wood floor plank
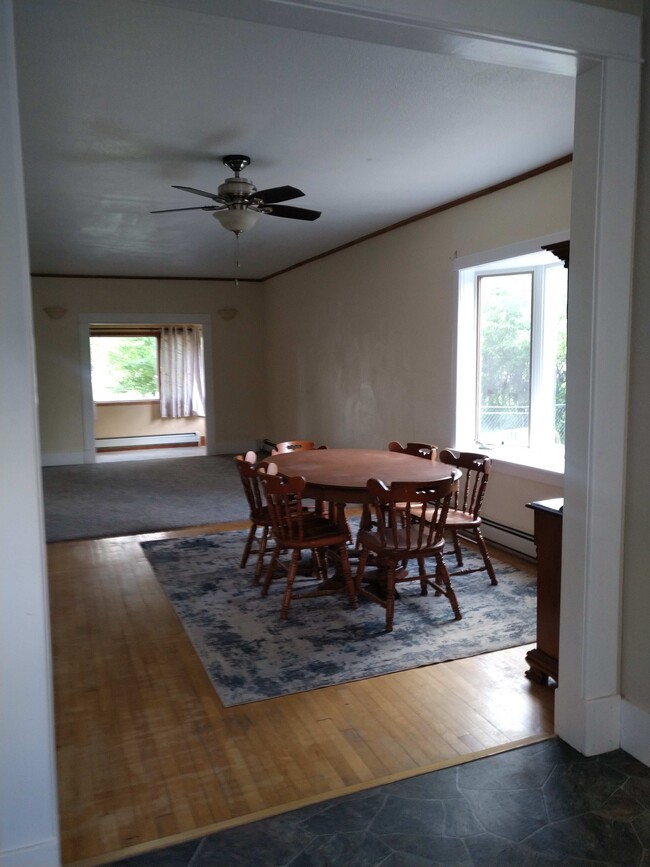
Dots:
{"x": 146, "y": 750}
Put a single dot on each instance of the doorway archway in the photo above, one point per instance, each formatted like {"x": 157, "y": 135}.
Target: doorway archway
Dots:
{"x": 88, "y": 319}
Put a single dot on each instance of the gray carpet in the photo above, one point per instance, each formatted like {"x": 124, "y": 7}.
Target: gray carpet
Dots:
{"x": 90, "y": 501}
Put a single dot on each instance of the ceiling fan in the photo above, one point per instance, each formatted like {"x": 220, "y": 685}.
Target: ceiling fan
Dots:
{"x": 240, "y": 204}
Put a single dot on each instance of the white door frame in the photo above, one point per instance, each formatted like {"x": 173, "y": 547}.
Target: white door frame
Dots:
{"x": 88, "y": 406}
{"x": 604, "y": 47}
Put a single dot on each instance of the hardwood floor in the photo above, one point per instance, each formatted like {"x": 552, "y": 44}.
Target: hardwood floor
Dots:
{"x": 146, "y": 752}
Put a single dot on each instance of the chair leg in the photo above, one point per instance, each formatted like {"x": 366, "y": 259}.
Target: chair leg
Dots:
{"x": 260, "y": 555}
{"x": 422, "y": 571}
{"x": 347, "y": 574}
{"x": 480, "y": 541}
{"x": 319, "y": 558}
{"x": 457, "y": 549}
{"x": 361, "y": 567}
{"x": 365, "y": 522}
{"x": 445, "y": 587}
{"x": 286, "y": 599}
{"x": 269, "y": 572}
{"x": 248, "y": 545}
{"x": 390, "y": 595}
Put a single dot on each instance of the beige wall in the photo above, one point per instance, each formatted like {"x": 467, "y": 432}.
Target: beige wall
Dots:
{"x": 357, "y": 347}
{"x": 141, "y": 419}
{"x": 237, "y": 345}
{"x": 360, "y": 344}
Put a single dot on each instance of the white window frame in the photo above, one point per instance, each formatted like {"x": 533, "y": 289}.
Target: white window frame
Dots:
{"x": 537, "y": 461}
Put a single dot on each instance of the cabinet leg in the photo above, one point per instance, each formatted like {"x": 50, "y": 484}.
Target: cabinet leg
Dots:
{"x": 542, "y": 668}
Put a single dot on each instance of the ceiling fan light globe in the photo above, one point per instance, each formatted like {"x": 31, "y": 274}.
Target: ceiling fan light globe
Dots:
{"x": 237, "y": 218}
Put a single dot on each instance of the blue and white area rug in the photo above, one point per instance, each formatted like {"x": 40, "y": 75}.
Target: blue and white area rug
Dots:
{"x": 250, "y": 654}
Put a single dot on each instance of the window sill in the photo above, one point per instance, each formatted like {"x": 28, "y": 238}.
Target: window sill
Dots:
{"x": 535, "y": 466}
{"x": 127, "y": 402}
{"x": 545, "y": 466}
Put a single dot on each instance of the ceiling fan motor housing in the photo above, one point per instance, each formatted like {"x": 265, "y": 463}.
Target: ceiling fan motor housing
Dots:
{"x": 236, "y": 188}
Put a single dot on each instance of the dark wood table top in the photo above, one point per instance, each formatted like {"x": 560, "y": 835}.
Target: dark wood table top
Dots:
{"x": 341, "y": 475}
{"x": 555, "y": 506}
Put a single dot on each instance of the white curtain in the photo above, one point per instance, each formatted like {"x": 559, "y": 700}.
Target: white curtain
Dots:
{"x": 182, "y": 385}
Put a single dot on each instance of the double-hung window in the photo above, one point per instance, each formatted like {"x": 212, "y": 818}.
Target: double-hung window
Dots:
{"x": 511, "y": 359}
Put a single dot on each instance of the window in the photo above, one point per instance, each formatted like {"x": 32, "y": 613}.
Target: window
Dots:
{"x": 124, "y": 367}
{"x": 511, "y": 372}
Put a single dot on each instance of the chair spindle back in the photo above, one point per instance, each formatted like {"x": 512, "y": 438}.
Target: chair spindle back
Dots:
{"x": 284, "y": 502}
{"x": 471, "y": 490}
{"x": 419, "y": 450}
{"x": 397, "y": 505}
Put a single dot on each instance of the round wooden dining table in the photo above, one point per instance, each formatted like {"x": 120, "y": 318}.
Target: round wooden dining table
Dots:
{"x": 341, "y": 475}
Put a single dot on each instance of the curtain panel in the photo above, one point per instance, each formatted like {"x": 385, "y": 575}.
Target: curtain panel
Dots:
{"x": 182, "y": 384}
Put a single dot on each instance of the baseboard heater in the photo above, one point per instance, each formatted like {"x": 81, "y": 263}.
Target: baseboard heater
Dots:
{"x": 509, "y": 538}
{"x": 142, "y": 442}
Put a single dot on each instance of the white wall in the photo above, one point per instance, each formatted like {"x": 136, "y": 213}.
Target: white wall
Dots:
{"x": 636, "y": 587}
{"x": 237, "y": 347}
{"x": 28, "y": 815}
{"x": 365, "y": 337}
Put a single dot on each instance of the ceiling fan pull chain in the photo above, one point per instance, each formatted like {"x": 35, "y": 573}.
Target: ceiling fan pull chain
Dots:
{"x": 237, "y": 262}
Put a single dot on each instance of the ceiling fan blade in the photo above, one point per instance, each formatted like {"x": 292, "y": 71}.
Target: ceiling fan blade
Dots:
{"x": 198, "y": 192}
{"x": 278, "y": 194}
{"x": 293, "y": 213}
{"x": 199, "y": 208}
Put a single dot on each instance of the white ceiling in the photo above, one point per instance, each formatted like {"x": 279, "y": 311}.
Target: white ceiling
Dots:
{"x": 120, "y": 99}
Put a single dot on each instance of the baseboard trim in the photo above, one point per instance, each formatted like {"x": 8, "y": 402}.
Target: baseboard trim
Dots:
{"x": 62, "y": 459}
{"x": 45, "y": 854}
{"x": 147, "y": 441}
{"x": 591, "y": 726}
{"x": 635, "y": 731}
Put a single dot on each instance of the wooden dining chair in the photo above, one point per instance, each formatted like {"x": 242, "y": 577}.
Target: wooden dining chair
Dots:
{"x": 258, "y": 512}
{"x": 465, "y": 509}
{"x": 419, "y": 450}
{"x": 294, "y": 446}
{"x": 301, "y": 446}
{"x": 297, "y": 529}
{"x": 398, "y": 539}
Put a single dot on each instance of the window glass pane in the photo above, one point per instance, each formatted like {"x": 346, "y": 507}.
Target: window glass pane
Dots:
{"x": 124, "y": 368}
{"x": 504, "y": 339}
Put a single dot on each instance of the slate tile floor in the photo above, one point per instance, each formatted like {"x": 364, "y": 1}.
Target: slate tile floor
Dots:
{"x": 540, "y": 805}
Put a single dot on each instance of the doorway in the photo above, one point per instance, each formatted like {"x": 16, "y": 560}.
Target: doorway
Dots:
{"x": 123, "y": 419}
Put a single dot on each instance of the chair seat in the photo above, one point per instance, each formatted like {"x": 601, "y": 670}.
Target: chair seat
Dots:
{"x": 454, "y": 517}
{"x": 398, "y": 546}
{"x": 466, "y": 519}
{"x": 317, "y": 529}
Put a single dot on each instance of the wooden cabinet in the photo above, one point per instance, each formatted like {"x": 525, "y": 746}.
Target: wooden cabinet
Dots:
{"x": 543, "y": 659}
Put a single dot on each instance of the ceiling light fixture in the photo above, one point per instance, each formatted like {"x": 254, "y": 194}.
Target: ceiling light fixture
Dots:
{"x": 237, "y": 218}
